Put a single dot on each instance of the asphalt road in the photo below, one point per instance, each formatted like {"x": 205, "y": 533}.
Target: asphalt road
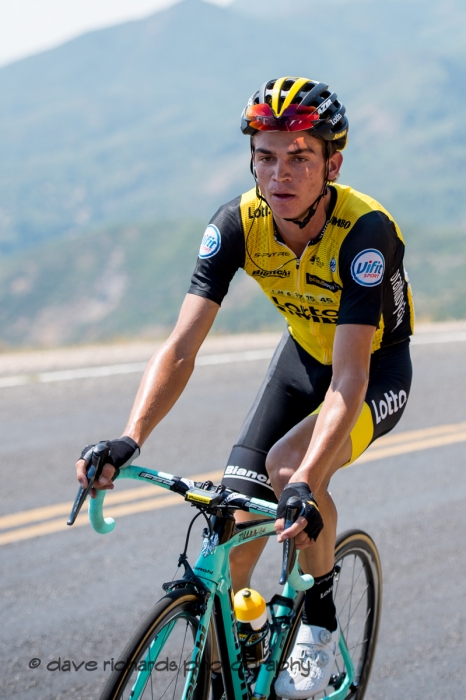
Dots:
{"x": 77, "y": 596}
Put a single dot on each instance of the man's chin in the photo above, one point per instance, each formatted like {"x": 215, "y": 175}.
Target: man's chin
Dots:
{"x": 289, "y": 215}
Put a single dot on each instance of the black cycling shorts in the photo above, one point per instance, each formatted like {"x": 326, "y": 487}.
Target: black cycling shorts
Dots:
{"x": 294, "y": 387}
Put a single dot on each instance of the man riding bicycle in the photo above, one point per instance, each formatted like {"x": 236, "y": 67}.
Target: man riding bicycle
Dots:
{"x": 331, "y": 261}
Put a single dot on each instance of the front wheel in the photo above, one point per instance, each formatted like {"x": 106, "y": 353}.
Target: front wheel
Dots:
{"x": 358, "y": 600}
{"x": 155, "y": 662}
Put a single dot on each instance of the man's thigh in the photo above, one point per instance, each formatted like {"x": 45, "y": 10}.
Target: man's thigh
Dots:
{"x": 386, "y": 397}
{"x": 295, "y": 384}
{"x": 385, "y": 401}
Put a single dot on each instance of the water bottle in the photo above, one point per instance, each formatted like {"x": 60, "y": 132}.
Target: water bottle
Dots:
{"x": 253, "y": 626}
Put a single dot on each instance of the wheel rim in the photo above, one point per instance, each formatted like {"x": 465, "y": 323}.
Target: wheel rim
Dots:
{"x": 356, "y": 596}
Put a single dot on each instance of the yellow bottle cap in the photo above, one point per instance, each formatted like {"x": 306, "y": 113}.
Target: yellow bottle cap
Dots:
{"x": 249, "y": 605}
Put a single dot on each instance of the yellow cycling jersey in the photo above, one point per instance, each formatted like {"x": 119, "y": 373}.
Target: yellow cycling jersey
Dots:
{"x": 351, "y": 273}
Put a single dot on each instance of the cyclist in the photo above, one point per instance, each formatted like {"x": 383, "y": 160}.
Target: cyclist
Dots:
{"x": 331, "y": 261}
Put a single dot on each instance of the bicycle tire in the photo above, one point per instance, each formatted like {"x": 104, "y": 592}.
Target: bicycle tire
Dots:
{"x": 358, "y": 545}
{"x": 172, "y": 619}
{"x": 352, "y": 544}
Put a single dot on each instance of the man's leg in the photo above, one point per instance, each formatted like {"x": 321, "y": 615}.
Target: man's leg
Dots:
{"x": 287, "y": 395}
{"x": 243, "y": 559}
{"x": 317, "y": 640}
{"x": 283, "y": 460}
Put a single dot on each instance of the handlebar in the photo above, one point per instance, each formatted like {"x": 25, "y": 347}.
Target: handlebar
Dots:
{"x": 293, "y": 507}
{"x": 197, "y": 494}
{"x": 98, "y": 459}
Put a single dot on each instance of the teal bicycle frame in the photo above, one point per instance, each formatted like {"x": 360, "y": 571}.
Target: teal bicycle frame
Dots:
{"x": 212, "y": 572}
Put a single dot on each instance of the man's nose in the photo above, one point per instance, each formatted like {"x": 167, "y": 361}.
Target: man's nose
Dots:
{"x": 282, "y": 171}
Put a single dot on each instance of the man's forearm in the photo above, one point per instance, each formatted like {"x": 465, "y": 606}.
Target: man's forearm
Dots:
{"x": 339, "y": 413}
{"x": 163, "y": 382}
{"x": 170, "y": 368}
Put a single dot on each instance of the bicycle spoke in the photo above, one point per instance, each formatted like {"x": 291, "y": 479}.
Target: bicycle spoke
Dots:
{"x": 181, "y": 654}
{"x": 349, "y": 595}
{"x": 359, "y": 603}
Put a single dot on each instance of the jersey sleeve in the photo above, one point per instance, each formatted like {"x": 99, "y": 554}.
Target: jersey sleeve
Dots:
{"x": 366, "y": 257}
{"x": 221, "y": 253}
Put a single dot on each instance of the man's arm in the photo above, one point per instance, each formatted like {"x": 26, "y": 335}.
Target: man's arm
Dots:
{"x": 342, "y": 404}
{"x": 166, "y": 376}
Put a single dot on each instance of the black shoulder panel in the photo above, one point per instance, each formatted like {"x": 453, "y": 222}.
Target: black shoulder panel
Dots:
{"x": 222, "y": 255}
{"x": 369, "y": 256}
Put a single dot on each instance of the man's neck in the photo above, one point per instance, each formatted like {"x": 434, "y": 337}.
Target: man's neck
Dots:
{"x": 297, "y": 238}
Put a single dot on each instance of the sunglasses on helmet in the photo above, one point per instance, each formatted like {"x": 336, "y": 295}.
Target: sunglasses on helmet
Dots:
{"x": 294, "y": 118}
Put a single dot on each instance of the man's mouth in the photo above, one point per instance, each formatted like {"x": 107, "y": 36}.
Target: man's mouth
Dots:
{"x": 283, "y": 196}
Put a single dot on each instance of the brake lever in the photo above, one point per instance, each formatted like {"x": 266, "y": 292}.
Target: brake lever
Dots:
{"x": 293, "y": 509}
{"x": 98, "y": 459}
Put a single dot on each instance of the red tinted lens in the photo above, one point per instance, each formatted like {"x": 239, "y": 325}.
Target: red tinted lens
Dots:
{"x": 295, "y": 118}
{"x": 262, "y": 110}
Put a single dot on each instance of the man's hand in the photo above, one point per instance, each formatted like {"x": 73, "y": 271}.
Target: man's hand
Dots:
{"x": 121, "y": 454}
{"x": 308, "y": 526}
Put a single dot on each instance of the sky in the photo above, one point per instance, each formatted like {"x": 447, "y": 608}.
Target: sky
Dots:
{"x": 30, "y": 26}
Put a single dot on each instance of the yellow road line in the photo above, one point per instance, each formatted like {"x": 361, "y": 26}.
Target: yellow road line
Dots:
{"x": 403, "y": 448}
{"x": 419, "y": 434}
{"x": 116, "y": 511}
{"x": 48, "y": 512}
{"x": 143, "y": 499}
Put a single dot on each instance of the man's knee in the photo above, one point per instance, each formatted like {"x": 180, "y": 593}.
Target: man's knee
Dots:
{"x": 282, "y": 461}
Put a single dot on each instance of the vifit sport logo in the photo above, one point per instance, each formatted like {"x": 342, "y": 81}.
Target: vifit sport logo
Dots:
{"x": 211, "y": 241}
{"x": 368, "y": 267}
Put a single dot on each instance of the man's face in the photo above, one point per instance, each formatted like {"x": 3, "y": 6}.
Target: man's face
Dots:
{"x": 290, "y": 170}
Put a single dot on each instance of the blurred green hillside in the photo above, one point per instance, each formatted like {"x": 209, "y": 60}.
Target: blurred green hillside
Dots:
{"x": 140, "y": 123}
{"x": 128, "y": 281}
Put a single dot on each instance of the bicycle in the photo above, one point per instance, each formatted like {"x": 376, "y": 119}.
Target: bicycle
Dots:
{"x": 191, "y": 632}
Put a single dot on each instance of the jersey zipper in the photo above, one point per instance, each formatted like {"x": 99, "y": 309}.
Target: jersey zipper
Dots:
{"x": 299, "y": 275}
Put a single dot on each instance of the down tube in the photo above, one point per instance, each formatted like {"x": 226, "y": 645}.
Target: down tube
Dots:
{"x": 213, "y": 569}
{"x": 230, "y": 651}
{"x": 199, "y": 643}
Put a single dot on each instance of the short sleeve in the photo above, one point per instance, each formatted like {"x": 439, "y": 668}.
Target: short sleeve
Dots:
{"x": 366, "y": 256}
{"x": 221, "y": 254}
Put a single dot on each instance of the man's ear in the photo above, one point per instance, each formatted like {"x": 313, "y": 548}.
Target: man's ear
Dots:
{"x": 334, "y": 164}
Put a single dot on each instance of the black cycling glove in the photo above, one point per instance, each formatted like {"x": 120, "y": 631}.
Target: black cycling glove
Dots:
{"x": 310, "y": 509}
{"x": 121, "y": 452}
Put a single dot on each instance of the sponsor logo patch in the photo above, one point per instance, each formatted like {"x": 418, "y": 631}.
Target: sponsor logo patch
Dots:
{"x": 310, "y": 313}
{"x": 271, "y": 273}
{"x": 392, "y": 404}
{"x": 258, "y": 212}
{"x": 333, "y": 265}
{"x": 280, "y": 254}
{"x": 325, "y": 105}
{"x": 313, "y": 298}
{"x": 211, "y": 242}
{"x": 315, "y": 260}
{"x": 368, "y": 267}
{"x": 318, "y": 282}
{"x": 248, "y": 475}
{"x": 398, "y": 297}
{"x": 341, "y": 223}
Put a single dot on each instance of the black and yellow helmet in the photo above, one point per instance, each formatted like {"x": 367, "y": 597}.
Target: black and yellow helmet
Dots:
{"x": 296, "y": 104}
